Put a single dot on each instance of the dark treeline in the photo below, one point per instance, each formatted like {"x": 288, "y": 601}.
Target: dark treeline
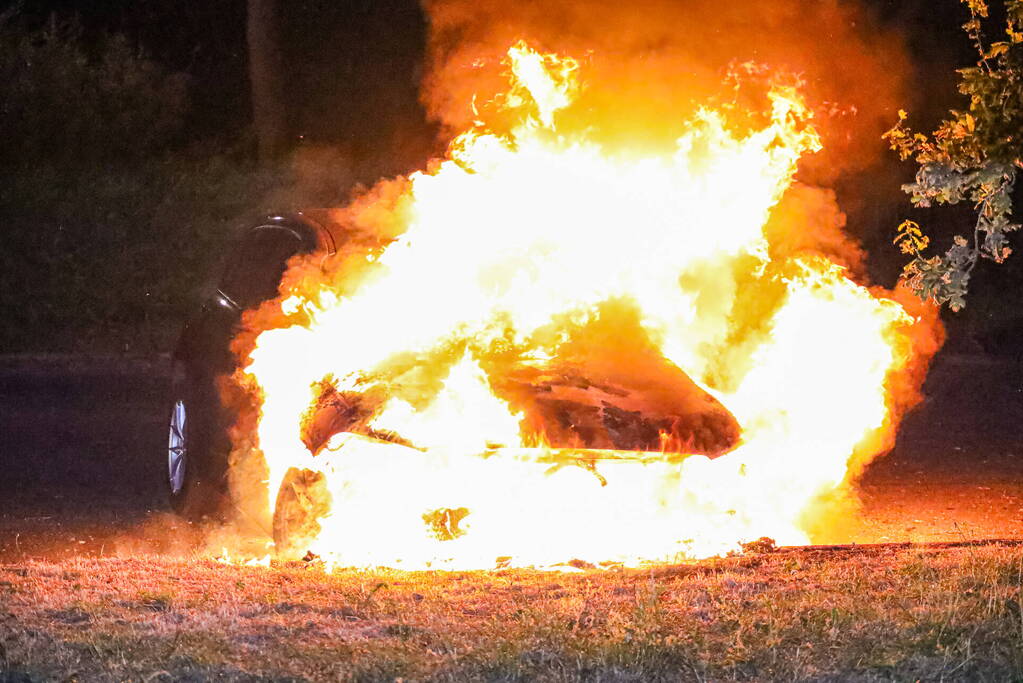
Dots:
{"x": 351, "y": 68}
{"x": 129, "y": 154}
{"x": 348, "y": 59}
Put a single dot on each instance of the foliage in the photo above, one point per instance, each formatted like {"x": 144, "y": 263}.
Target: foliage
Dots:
{"x": 65, "y": 99}
{"x": 110, "y": 257}
{"x": 974, "y": 156}
{"x": 111, "y": 223}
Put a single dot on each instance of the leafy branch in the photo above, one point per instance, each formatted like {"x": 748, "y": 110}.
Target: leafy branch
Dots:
{"x": 973, "y": 156}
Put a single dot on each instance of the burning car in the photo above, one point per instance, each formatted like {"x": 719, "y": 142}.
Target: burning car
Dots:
{"x": 586, "y": 417}
{"x": 543, "y": 347}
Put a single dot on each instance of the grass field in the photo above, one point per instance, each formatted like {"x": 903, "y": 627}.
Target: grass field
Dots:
{"x": 881, "y": 613}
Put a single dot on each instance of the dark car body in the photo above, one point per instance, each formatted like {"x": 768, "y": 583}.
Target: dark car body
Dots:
{"x": 250, "y": 274}
{"x": 604, "y": 412}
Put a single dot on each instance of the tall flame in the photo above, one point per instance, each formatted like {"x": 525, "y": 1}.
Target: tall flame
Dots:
{"x": 528, "y": 251}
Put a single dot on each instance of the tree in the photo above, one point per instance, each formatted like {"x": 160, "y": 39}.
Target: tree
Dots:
{"x": 973, "y": 155}
{"x": 265, "y": 64}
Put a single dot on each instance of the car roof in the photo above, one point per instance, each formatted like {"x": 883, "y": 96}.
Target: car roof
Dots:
{"x": 309, "y": 228}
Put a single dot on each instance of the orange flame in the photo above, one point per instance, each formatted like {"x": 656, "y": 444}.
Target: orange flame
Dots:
{"x": 537, "y": 261}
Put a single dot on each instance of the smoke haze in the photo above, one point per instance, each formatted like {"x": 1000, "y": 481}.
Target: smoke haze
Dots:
{"x": 648, "y": 64}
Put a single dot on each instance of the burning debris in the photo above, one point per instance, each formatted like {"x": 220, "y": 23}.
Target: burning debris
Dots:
{"x": 543, "y": 348}
{"x": 583, "y": 398}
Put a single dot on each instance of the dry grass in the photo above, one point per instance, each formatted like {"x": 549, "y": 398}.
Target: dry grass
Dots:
{"x": 902, "y": 614}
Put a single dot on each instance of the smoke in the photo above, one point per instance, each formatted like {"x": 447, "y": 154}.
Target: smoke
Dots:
{"x": 648, "y": 64}
{"x": 645, "y": 68}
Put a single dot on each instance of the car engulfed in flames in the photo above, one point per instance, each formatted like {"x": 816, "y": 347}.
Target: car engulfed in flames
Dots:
{"x": 540, "y": 350}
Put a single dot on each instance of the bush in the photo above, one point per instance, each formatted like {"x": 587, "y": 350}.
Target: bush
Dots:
{"x": 113, "y": 257}
{"x": 69, "y": 103}
{"x": 108, "y": 230}
{"x": 110, "y": 258}
{"x": 111, "y": 223}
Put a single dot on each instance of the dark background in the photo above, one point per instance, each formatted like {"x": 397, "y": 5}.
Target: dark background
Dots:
{"x": 107, "y": 242}
{"x": 352, "y": 68}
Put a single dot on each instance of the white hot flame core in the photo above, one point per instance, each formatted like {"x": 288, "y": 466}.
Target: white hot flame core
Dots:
{"x": 514, "y": 232}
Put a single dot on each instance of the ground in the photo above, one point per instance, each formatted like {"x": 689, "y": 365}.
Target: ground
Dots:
{"x": 99, "y": 582}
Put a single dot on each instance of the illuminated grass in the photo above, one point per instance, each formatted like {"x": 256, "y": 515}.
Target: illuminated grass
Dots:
{"x": 869, "y": 614}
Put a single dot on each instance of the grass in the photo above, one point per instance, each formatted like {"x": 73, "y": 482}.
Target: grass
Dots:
{"x": 880, "y": 614}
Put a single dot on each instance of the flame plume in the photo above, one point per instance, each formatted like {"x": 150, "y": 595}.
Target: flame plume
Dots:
{"x": 534, "y": 269}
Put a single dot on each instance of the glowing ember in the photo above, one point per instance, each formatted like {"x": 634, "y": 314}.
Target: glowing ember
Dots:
{"x": 523, "y": 374}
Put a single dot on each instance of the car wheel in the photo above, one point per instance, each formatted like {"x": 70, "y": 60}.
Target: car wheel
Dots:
{"x": 177, "y": 448}
{"x": 195, "y": 473}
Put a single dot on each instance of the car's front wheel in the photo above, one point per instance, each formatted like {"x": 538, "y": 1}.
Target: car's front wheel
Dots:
{"x": 197, "y": 449}
{"x": 177, "y": 448}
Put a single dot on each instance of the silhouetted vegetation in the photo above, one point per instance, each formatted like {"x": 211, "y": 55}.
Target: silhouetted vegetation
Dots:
{"x": 972, "y": 156}
{"x": 128, "y": 153}
{"x": 115, "y": 206}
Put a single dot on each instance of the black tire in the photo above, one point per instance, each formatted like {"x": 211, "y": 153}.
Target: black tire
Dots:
{"x": 198, "y": 446}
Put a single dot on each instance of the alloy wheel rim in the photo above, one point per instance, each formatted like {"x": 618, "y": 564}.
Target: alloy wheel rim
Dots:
{"x": 177, "y": 447}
